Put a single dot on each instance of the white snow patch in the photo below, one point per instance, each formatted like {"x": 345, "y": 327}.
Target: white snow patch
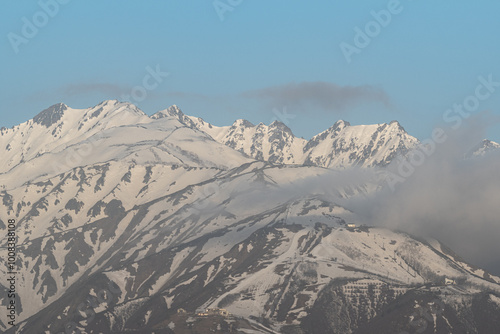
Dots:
{"x": 495, "y": 299}
{"x": 147, "y": 316}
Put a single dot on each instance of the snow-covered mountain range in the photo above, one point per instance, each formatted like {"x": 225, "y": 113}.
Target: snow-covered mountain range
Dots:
{"x": 340, "y": 146}
{"x": 136, "y": 223}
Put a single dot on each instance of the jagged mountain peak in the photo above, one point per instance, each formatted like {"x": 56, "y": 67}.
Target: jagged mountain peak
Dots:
{"x": 105, "y": 109}
{"x": 344, "y": 128}
{"x": 243, "y": 123}
{"x": 335, "y": 128}
{"x": 489, "y": 143}
{"x": 344, "y": 145}
{"x": 51, "y": 115}
{"x": 484, "y": 147}
{"x": 395, "y": 123}
{"x": 280, "y": 126}
{"x": 274, "y": 126}
{"x": 341, "y": 124}
{"x": 173, "y": 111}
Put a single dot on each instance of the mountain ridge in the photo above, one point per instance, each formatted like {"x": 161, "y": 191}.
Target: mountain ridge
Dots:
{"x": 262, "y": 141}
{"x": 277, "y": 144}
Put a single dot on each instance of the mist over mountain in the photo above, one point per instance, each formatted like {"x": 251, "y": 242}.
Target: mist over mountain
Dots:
{"x": 169, "y": 224}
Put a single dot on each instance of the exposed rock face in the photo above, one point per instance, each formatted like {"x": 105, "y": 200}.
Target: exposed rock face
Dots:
{"x": 51, "y": 115}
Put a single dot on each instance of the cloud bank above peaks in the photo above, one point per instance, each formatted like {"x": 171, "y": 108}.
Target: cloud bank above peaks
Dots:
{"x": 324, "y": 96}
{"x": 75, "y": 89}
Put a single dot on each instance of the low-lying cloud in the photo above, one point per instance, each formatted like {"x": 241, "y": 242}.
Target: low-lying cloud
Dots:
{"x": 451, "y": 197}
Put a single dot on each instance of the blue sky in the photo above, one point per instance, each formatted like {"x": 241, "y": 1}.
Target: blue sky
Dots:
{"x": 263, "y": 60}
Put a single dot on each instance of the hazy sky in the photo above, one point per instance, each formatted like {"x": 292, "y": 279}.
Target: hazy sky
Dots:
{"x": 306, "y": 63}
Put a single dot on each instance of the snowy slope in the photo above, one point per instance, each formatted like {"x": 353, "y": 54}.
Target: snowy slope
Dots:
{"x": 60, "y": 139}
